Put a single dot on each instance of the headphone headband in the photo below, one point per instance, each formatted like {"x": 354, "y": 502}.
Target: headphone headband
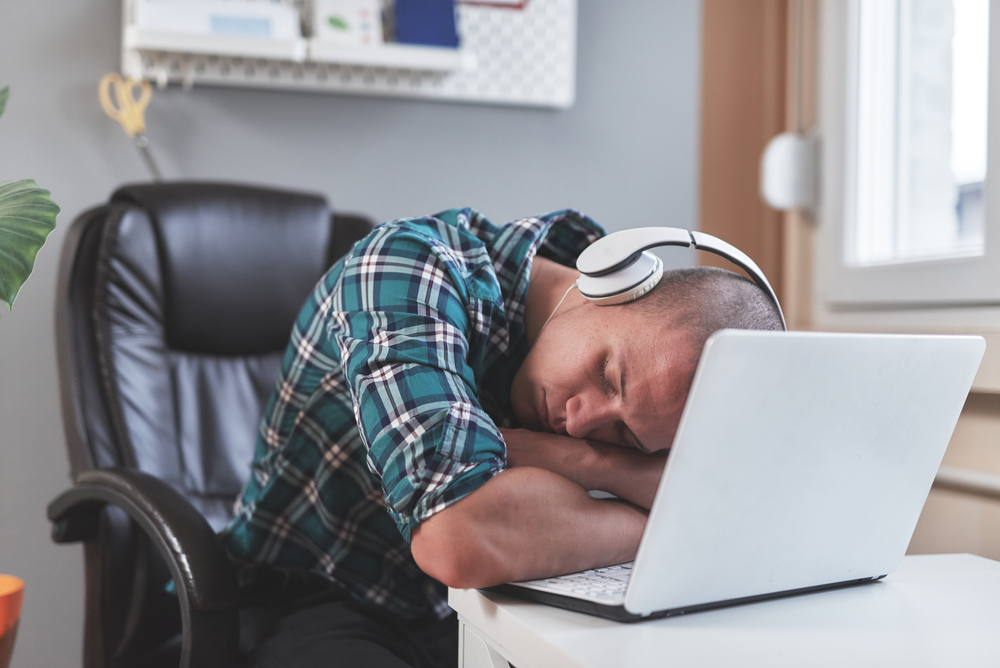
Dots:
{"x": 617, "y": 263}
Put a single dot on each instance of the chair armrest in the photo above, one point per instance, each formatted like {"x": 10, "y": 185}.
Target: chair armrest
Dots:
{"x": 207, "y": 589}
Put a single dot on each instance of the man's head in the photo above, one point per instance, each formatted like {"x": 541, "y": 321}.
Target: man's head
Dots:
{"x": 621, "y": 374}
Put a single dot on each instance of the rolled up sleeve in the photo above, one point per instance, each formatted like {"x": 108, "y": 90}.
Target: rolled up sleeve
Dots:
{"x": 403, "y": 327}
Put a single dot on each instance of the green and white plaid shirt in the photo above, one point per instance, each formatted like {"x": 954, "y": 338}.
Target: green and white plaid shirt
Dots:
{"x": 392, "y": 388}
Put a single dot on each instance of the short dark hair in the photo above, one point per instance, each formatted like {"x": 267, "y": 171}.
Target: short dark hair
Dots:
{"x": 703, "y": 300}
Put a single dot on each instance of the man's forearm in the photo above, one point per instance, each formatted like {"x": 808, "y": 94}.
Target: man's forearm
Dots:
{"x": 628, "y": 474}
{"x": 523, "y": 524}
{"x": 624, "y": 472}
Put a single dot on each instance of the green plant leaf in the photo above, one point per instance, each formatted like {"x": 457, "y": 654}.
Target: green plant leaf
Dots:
{"x": 27, "y": 215}
{"x": 4, "y": 94}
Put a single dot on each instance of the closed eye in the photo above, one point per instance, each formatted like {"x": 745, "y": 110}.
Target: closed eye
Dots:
{"x": 605, "y": 383}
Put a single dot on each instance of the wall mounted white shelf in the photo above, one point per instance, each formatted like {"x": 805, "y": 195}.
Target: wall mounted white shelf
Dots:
{"x": 392, "y": 55}
{"x": 299, "y": 50}
{"x": 135, "y": 39}
{"x": 508, "y": 56}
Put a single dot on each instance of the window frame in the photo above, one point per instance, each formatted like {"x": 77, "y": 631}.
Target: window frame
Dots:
{"x": 949, "y": 285}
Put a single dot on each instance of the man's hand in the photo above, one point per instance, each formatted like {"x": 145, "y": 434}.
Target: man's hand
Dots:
{"x": 626, "y": 473}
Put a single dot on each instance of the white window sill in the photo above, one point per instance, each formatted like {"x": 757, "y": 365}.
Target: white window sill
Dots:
{"x": 982, "y": 321}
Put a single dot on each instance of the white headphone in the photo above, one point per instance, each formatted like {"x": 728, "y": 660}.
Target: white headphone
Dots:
{"x": 617, "y": 269}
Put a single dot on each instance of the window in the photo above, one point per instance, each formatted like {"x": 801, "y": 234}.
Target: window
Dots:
{"x": 906, "y": 212}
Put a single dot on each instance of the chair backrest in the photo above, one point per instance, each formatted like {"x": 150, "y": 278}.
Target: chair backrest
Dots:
{"x": 175, "y": 305}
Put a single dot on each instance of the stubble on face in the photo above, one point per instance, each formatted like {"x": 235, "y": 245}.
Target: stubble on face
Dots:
{"x": 567, "y": 359}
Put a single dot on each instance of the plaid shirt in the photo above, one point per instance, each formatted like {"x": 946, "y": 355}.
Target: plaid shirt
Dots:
{"x": 392, "y": 388}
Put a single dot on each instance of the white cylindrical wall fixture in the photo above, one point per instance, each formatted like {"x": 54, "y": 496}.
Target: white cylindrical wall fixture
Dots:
{"x": 788, "y": 172}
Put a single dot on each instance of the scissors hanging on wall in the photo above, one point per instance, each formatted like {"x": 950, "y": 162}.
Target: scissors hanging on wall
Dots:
{"x": 125, "y": 101}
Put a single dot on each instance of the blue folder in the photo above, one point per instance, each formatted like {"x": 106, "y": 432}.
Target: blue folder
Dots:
{"x": 427, "y": 22}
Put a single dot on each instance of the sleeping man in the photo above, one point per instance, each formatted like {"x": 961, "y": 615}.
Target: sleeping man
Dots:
{"x": 445, "y": 402}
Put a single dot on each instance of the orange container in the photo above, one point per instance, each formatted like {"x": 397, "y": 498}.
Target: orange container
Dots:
{"x": 11, "y": 596}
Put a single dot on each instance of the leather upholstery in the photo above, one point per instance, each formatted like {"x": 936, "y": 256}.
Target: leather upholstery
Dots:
{"x": 207, "y": 590}
{"x": 215, "y": 279}
{"x": 175, "y": 304}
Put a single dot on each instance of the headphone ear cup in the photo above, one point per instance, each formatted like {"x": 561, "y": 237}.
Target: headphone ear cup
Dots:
{"x": 632, "y": 293}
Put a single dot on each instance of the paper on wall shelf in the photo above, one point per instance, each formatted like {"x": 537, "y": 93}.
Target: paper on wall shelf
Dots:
{"x": 354, "y": 22}
{"x": 243, "y": 18}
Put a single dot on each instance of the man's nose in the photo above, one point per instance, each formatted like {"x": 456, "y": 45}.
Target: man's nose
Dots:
{"x": 586, "y": 414}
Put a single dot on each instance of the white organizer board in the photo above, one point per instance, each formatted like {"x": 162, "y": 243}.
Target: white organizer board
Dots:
{"x": 509, "y": 56}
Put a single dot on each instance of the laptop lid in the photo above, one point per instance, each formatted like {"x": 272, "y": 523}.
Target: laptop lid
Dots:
{"x": 801, "y": 459}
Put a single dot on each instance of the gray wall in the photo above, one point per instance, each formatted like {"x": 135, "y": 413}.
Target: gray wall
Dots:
{"x": 626, "y": 154}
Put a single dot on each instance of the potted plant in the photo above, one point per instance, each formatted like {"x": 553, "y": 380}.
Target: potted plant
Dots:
{"x": 27, "y": 215}
{"x": 11, "y": 594}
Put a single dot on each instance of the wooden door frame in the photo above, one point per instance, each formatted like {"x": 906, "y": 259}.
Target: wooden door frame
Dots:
{"x": 753, "y": 88}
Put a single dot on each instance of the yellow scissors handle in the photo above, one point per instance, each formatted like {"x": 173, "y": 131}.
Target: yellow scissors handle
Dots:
{"x": 127, "y": 109}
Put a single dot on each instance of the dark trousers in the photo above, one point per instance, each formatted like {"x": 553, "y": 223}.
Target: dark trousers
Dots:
{"x": 297, "y": 619}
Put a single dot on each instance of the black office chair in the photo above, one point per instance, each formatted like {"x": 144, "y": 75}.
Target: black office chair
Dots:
{"x": 175, "y": 305}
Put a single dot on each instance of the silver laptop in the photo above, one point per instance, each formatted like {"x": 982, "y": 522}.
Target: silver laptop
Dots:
{"x": 802, "y": 461}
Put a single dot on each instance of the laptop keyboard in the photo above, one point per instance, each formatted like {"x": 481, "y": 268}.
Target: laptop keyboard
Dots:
{"x": 601, "y": 584}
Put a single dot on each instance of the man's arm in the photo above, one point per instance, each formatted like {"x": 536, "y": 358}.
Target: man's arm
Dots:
{"x": 525, "y": 523}
{"x": 624, "y": 472}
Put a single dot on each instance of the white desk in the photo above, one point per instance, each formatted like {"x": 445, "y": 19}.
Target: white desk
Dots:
{"x": 936, "y": 610}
